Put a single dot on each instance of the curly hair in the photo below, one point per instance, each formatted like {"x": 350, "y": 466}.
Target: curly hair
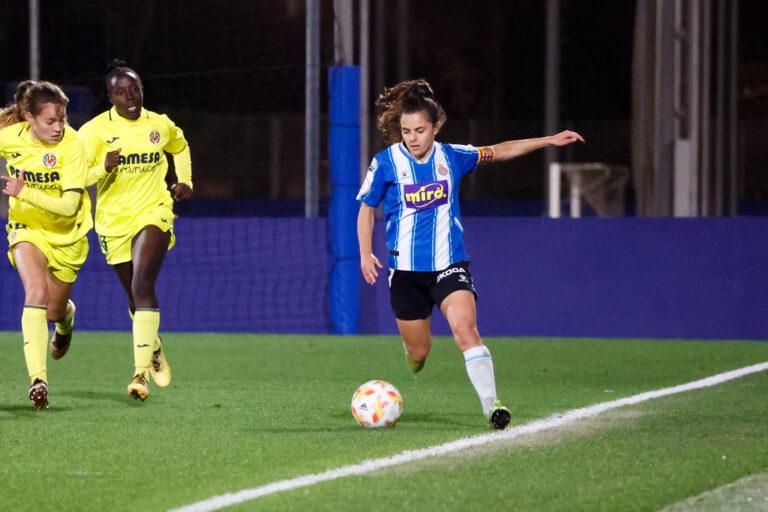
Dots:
{"x": 30, "y": 97}
{"x": 406, "y": 98}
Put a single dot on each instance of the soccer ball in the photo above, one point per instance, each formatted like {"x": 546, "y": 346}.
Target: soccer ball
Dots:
{"x": 377, "y": 403}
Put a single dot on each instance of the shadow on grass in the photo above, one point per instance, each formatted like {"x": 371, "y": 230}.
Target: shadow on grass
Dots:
{"x": 27, "y": 411}
{"x": 98, "y": 395}
{"x": 426, "y": 421}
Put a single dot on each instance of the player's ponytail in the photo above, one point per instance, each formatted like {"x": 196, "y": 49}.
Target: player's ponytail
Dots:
{"x": 30, "y": 97}
{"x": 406, "y": 98}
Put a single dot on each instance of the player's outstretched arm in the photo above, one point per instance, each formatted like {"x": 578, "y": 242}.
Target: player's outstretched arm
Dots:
{"x": 368, "y": 261}
{"x": 515, "y": 148}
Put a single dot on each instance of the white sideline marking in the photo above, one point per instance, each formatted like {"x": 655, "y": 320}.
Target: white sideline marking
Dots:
{"x": 554, "y": 421}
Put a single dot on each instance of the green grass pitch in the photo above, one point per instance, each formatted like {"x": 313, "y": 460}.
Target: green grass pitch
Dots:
{"x": 247, "y": 410}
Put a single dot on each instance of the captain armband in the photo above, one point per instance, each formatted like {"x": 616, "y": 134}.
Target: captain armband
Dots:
{"x": 485, "y": 154}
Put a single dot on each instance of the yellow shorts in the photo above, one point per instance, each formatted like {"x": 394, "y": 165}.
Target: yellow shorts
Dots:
{"x": 64, "y": 261}
{"x": 117, "y": 249}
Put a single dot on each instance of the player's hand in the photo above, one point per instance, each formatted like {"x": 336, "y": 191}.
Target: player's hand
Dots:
{"x": 181, "y": 191}
{"x": 565, "y": 138}
{"x": 368, "y": 266}
{"x": 112, "y": 159}
{"x": 13, "y": 185}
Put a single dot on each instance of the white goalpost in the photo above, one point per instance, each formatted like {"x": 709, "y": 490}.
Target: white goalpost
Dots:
{"x": 601, "y": 185}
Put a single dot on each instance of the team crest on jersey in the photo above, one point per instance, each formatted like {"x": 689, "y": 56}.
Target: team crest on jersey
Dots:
{"x": 50, "y": 160}
{"x": 425, "y": 196}
{"x": 442, "y": 170}
{"x": 154, "y": 136}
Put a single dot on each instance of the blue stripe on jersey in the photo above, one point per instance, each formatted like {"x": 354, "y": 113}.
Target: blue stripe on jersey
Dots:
{"x": 434, "y": 217}
{"x": 415, "y": 229}
{"x": 395, "y": 219}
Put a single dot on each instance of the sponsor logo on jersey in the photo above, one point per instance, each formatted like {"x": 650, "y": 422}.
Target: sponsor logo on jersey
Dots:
{"x": 35, "y": 177}
{"x": 15, "y": 155}
{"x": 140, "y": 158}
{"x": 425, "y": 196}
{"x": 49, "y": 160}
{"x": 113, "y": 139}
{"x": 154, "y": 136}
{"x": 442, "y": 170}
{"x": 452, "y": 270}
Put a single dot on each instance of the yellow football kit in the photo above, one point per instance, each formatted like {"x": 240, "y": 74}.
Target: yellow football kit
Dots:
{"x": 52, "y": 212}
{"x": 134, "y": 194}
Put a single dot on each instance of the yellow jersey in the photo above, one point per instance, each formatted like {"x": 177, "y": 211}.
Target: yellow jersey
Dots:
{"x": 137, "y": 183}
{"x": 51, "y": 169}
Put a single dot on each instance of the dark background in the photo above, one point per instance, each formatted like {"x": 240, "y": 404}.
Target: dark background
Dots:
{"x": 227, "y": 72}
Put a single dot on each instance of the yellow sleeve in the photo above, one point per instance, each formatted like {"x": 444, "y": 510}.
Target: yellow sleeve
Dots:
{"x": 183, "y": 163}
{"x": 92, "y": 150}
{"x": 66, "y": 205}
{"x": 179, "y": 148}
{"x": 176, "y": 141}
{"x": 75, "y": 174}
{"x": 95, "y": 173}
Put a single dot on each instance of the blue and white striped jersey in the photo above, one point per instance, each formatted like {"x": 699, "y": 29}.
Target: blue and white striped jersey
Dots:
{"x": 421, "y": 204}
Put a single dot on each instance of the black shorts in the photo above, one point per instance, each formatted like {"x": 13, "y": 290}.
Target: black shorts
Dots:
{"x": 413, "y": 294}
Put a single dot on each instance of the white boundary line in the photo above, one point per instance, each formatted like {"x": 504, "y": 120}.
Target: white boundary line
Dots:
{"x": 554, "y": 421}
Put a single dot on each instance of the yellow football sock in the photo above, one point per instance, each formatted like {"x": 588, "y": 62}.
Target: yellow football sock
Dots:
{"x": 146, "y": 323}
{"x": 157, "y": 341}
{"x": 65, "y": 325}
{"x": 34, "y": 330}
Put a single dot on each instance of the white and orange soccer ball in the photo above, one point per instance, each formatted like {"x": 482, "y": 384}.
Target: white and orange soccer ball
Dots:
{"x": 377, "y": 403}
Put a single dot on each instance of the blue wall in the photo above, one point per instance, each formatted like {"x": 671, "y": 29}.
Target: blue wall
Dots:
{"x": 232, "y": 274}
{"x": 651, "y": 278}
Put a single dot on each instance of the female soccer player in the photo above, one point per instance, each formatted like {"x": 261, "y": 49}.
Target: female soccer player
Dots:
{"x": 48, "y": 219}
{"x": 417, "y": 180}
{"x": 125, "y": 149}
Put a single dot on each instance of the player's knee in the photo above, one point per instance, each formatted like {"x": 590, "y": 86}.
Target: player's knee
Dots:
{"x": 466, "y": 335}
{"x": 419, "y": 353}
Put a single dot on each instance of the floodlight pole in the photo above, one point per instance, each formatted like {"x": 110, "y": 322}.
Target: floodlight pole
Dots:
{"x": 34, "y": 40}
{"x": 365, "y": 65}
{"x": 551, "y": 90}
{"x": 312, "y": 111}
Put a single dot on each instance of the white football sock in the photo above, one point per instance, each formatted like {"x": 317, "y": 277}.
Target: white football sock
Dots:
{"x": 480, "y": 371}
